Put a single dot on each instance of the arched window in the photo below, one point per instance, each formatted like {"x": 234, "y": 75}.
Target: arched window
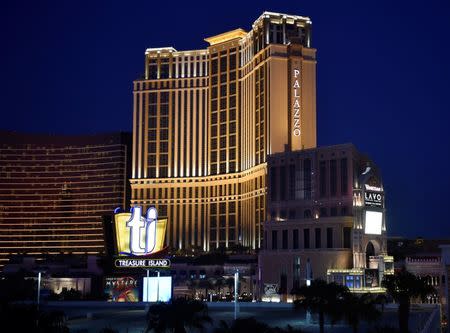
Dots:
{"x": 307, "y": 214}
{"x": 370, "y": 251}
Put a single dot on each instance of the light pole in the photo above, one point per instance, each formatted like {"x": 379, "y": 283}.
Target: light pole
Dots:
{"x": 147, "y": 285}
{"x": 157, "y": 286}
{"x": 236, "y": 282}
{"x": 39, "y": 290}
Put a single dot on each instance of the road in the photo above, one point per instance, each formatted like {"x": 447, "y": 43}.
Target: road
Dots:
{"x": 91, "y": 317}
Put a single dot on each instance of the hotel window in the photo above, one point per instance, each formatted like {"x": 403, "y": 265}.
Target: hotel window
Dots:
{"x": 274, "y": 239}
{"x": 323, "y": 178}
{"x": 307, "y": 214}
{"x": 213, "y": 235}
{"x": 333, "y": 178}
{"x": 292, "y": 182}
{"x": 223, "y": 64}
{"x": 295, "y": 239}
{"x": 276, "y": 34}
{"x": 232, "y": 60}
{"x": 343, "y": 211}
{"x": 344, "y": 176}
{"x": 223, "y": 129}
{"x": 223, "y": 90}
{"x": 282, "y": 183}
{"x": 291, "y": 214}
{"x": 233, "y": 112}
{"x": 273, "y": 184}
{"x": 214, "y": 66}
{"x": 284, "y": 240}
{"x": 347, "y": 237}
{"x": 296, "y": 281}
{"x": 353, "y": 281}
{"x": 318, "y": 238}
{"x": 323, "y": 212}
{"x": 307, "y": 178}
{"x": 213, "y": 95}
{"x": 329, "y": 238}
{"x": 333, "y": 211}
{"x": 306, "y": 244}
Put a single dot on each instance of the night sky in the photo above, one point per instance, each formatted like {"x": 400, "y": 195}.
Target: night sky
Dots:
{"x": 383, "y": 78}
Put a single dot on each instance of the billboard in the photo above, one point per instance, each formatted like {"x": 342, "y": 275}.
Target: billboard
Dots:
{"x": 157, "y": 289}
{"x": 270, "y": 289}
{"x": 373, "y": 222}
{"x": 371, "y": 278}
{"x": 137, "y": 235}
{"x": 122, "y": 289}
{"x": 373, "y": 196}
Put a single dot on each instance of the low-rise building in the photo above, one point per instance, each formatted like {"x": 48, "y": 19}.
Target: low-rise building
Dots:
{"x": 326, "y": 220}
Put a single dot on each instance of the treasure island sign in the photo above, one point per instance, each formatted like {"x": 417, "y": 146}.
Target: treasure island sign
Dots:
{"x": 140, "y": 239}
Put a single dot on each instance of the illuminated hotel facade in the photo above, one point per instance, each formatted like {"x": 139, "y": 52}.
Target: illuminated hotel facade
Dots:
{"x": 205, "y": 121}
{"x": 327, "y": 220}
{"x": 54, "y": 191}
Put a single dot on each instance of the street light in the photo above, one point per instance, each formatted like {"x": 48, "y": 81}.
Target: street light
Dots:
{"x": 236, "y": 281}
{"x": 39, "y": 272}
{"x": 39, "y": 289}
{"x": 157, "y": 286}
{"x": 147, "y": 283}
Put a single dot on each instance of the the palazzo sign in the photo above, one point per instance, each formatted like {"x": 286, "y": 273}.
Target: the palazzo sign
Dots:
{"x": 296, "y": 105}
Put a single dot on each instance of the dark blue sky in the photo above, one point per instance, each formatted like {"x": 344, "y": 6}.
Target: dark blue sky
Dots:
{"x": 383, "y": 78}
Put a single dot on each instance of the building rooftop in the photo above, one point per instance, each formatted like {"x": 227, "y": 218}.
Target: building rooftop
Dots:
{"x": 226, "y": 36}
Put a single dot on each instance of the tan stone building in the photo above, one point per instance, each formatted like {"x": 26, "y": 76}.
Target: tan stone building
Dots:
{"x": 205, "y": 121}
{"x": 327, "y": 221}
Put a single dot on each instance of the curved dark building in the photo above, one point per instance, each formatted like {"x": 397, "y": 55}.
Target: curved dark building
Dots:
{"x": 54, "y": 191}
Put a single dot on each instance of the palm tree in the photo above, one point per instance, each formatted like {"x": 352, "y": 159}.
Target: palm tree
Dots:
{"x": 403, "y": 286}
{"x": 108, "y": 330}
{"x": 206, "y": 285}
{"x": 219, "y": 283}
{"x": 230, "y": 284}
{"x": 381, "y": 299}
{"x": 246, "y": 325}
{"x": 359, "y": 307}
{"x": 193, "y": 286}
{"x": 177, "y": 315}
{"x": 53, "y": 322}
{"x": 243, "y": 325}
{"x": 322, "y": 298}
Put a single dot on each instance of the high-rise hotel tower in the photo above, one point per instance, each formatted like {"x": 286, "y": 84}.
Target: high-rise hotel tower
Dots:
{"x": 205, "y": 121}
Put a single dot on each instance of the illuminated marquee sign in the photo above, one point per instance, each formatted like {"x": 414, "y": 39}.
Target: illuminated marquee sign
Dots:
{"x": 270, "y": 289}
{"x": 144, "y": 263}
{"x": 122, "y": 289}
{"x": 141, "y": 237}
{"x": 296, "y": 105}
{"x": 373, "y": 196}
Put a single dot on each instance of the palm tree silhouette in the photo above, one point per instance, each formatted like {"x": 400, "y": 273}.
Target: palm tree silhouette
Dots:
{"x": 219, "y": 283}
{"x": 177, "y": 315}
{"x": 324, "y": 299}
{"x": 359, "y": 307}
{"x": 242, "y": 325}
{"x": 250, "y": 325}
{"x": 205, "y": 284}
{"x": 404, "y": 286}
